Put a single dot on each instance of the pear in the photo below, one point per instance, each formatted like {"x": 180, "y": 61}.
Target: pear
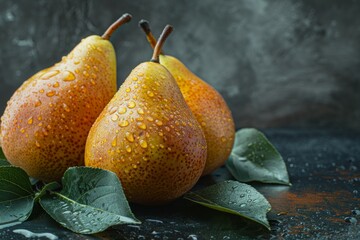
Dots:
{"x": 148, "y": 136}
{"x": 208, "y": 106}
{"x": 47, "y": 120}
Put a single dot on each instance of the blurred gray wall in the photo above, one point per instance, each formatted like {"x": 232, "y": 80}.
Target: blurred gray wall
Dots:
{"x": 277, "y": 63}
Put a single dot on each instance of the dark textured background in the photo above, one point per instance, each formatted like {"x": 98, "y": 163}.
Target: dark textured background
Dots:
{"x": 277, "y": 63}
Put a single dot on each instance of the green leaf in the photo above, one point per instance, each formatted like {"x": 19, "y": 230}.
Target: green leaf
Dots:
{"x": 235, "y": 198}
{"x": 48, "y": 187}
{"x": 3, "y": 162}
{"x": 254, "y": 158}
{"x": 16, "y": 195}
{"x": 2, "y": 155}
{"x": 91, "y": 201}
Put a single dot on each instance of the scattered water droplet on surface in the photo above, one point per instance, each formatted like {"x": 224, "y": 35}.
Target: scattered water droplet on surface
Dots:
{"x": 114, "y": 117}
{"x": 140, "y": 111}
{"x": 50, "y": 93}
{"x": 351, "y": 220}
{"x": 141, "y": 125}
{"x": 50, "y": 74}
{"x": 114, "y": 142}
{"x": 123, "y": 123}
{"x": 158, "y": 122}
{"x": 128, "y": 149}
{"x": 150, "y": 93}
{"x": 30, "y": 120}
{"x": 131, "y": 104}
{"x": 70, "y": 76}
{"x": 129, "y": 137}
{"x": 143, "y": 143}
{"x": 122, "y": 110}
{"x": 66, "y": 107}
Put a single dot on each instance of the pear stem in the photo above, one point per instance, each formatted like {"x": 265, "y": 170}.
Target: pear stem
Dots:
{"x": 157, "y": 49}
{"x": 123, "y": 19}
{"x": 145, "y": 26}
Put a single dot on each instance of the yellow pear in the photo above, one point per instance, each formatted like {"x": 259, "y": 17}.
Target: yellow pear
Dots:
{"x": 47, "y": 120}
{"x": 208, "y": 106}
{"x": 148, "y": 136}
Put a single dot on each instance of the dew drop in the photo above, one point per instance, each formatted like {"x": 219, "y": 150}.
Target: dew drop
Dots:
{"x": 128, "y": 89}
{"x": 161, "y": 146}
{"x": 150, "y": 93}
{"x": 56, "y": 85}
{"x": 122, "y": 110}
{"x": 85, "y": 73}
{"x": 41, "y": 91}
{"x": 50, "y": 74}
{"x": 243, "y": 205}
{"x": 223, "y": 139}
{"x": 123, "y": 123}
{"x": 114, "y": 117}
{"x": 66, "y": 107}
{"x": 30, "y": 120}
{"x": 70, "y": 76}
{"x": 38, "y": 103}
{"x": 37, "y": 143}
{"x": 92, "y": 82}
{"x": 167, "y": 128}
{"x": 158, "y": 122}
{"x": 131, "y": 104}
{"x": 150, "y": 119}
{"x": 141, "y": 125}
{"x": 203, "y": 124}
{"x": 128, "y": 149}
{"x": 22, "y": 130}
{"x": 135, "y": 78}
{"x": 143, "y": 144}
{"x": 134, "y": 166}
{"x": 50, "y": 93}
{"x": 112, "y": 110}
{"x": 114, "y": 142}
{"x": 140, "y": 111}
{"x": 129, "y": 137}
{"x": 140, "y": 74}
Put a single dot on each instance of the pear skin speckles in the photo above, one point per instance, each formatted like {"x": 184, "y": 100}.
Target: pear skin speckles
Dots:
{"x": 210, "y": 110}
{"x": 151, "y": 151}
{"x": 55, "y": 109}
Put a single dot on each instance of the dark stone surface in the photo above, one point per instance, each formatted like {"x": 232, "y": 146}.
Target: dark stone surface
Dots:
{"x": 322, "y": 203}
{"x": 277, "y": 63}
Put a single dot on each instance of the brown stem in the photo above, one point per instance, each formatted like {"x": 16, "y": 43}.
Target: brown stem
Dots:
{"x": 145, "y": 26}
{"x": 164, "y": 35}
{"x": 123, "y": 19}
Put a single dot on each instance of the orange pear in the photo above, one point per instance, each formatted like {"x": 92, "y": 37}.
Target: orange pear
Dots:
{"x": 148, "y": 136}
{"x": 208, "y": 106}
{"x": 47, "y": 120}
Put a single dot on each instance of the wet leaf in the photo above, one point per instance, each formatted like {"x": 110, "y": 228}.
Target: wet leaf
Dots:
{"x": 48, "y": 187}
{"x": 3, "y": 162}
{"x": 235, "y": 198}
{"x": 254, "y": 158}
{"x": 16, "y": 195}
{"x": 91, "y": 201}
{"x": 2, "y": 155}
